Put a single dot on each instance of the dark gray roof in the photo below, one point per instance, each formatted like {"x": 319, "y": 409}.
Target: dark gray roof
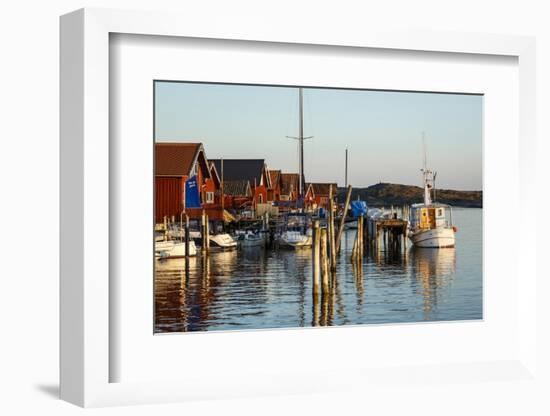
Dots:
{"x": 237, "y": 188}
{"x": 240, "y": 169}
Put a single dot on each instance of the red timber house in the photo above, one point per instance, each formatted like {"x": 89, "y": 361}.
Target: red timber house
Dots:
{"x": 317, "y": 194}
{"x": 274, "y": 192}
{"x": 240, "y": 171}
{"x": 290, "y": 186}
{"x": 237, "y": 194}
{"x": 175, "y": 163}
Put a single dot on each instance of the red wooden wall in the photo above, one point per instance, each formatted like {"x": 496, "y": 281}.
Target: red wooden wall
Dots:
{"x": 168, "y": 197}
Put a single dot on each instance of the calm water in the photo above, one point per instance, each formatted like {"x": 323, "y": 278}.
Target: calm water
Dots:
{"x": 256, "y": 288}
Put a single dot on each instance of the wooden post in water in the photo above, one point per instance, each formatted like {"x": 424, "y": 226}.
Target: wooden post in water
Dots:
{"x": 204, "y": 237}
{"x": 324, "y": 261}
{"x": 360, "y": 247}
{"x": 378, "y": 242}
{"x": 316, "y": 258}
{"x": 186, "y": 243}
{"x": 332, "y": 237}
{"x": 405, "y": 235}
{"x": 358, "y": 253}
{"x": 354, "y": 251}
{"x": 366, "y": 234}
{"x": 343, "y": 219}
{"x": 207, "y": 232}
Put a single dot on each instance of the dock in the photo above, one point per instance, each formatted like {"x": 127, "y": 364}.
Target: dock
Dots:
{"x": 386, "y": 234}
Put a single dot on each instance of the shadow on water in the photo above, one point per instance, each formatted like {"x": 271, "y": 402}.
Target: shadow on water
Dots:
{"x": 256, "y": 288}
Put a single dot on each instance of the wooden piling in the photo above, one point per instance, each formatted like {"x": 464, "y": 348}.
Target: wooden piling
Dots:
{"x": 316, "y": 258}
{"x": 186, "y": 230}
{"x": 332, "y": 237}
{"x": 342, "y": 220}
{"x": 207, "y": 227}
{"x": 378, "y": 238}
{"x": 324, "y": 261}
{"x": 405, "y": 236}
{"x": 360, "y": 244}
{"x": 354, "y": 251}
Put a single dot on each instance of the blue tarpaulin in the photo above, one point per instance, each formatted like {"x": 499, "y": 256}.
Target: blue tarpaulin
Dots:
{"x": 192, "y": 198}
{"x": 322, "y": 213}
{"x": 358, "y": 208}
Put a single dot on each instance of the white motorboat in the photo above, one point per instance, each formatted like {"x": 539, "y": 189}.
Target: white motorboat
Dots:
{"x": 223, "y": 241}
{"x": 250, "y": 239}
{"x": 295, "y": 239}
{"x": 431, "y": 223}
{"x": 296, "y": 231}
{"x": 173, "y": 249}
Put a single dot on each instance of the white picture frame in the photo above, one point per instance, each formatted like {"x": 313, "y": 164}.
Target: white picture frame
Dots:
{"x": 85, "y": 211}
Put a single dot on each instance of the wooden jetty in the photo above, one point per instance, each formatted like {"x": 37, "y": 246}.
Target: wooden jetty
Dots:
{"x": 386, "y": 234}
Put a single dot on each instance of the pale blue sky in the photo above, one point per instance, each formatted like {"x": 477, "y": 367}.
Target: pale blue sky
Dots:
{"x": 382, "y": 130}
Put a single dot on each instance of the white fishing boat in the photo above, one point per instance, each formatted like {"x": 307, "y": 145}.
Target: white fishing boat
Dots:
{"x": 431, "y": 223}
{"x": 173, "y": 249}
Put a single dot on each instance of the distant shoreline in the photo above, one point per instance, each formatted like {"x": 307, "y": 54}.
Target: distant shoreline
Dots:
{"x": 386, "y": 194}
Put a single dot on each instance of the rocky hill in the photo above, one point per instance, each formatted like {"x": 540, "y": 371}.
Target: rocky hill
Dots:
{"x": 386, "y": 194}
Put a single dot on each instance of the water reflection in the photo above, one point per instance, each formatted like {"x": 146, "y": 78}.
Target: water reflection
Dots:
{"x": 256, "y": 288}
{"x": 433, "y": 270}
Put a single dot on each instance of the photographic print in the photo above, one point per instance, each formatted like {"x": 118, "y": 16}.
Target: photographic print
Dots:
{"x": 294, "y": 207}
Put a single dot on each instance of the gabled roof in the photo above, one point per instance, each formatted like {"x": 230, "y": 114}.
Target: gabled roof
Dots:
{"x": 214, "y": 173}
{"x": 177, "y": 159}
{"x": 237, "y": 188}
{"x": 322, "y": 188}
{"x": 241, "y": 169}
{"x": 275, "y": 176}
{"x": 290, "y": 182}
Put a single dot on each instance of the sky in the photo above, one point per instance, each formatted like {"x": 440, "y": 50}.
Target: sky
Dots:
{"x": 381, "y": 129}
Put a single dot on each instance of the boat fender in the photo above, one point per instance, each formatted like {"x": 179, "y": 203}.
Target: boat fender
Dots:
{"x": 455, "y": 229}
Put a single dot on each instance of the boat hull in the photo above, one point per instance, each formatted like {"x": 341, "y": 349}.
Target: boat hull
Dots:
{"x": 223, "y": 241}
{"x": 434, "y": 238}
{"x": 295, "y": 243}
{"x": 252, "y": 242}
{"x": 173, "y": 249}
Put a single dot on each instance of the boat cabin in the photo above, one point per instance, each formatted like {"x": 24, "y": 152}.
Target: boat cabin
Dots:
{"x": 431, "y": 216}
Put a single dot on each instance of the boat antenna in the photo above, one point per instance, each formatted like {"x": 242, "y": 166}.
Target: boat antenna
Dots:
{"x": 301, "y": 138}
{"x": 426, "y": 174}
{"x": 435, "y": 176}
{"x": 424, "y": 150}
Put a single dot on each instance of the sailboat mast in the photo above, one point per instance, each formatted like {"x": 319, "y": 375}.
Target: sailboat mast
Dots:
{"x": 346, "y": 168}
{"x": 301, "y": 143}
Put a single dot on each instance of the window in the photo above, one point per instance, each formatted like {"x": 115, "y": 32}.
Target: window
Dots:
{"x": 210, "y": 197}
{"x": 261, "y": 198}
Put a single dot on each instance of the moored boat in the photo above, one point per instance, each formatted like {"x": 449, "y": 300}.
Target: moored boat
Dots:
{"x": 221, "y": 241}
{"x": 431, "y": 223}
{"x": 250, "y": 239}
{"x": 295, "y": 239}
{"x": 173, "y": 249}
{"x": 295, "y": 232}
